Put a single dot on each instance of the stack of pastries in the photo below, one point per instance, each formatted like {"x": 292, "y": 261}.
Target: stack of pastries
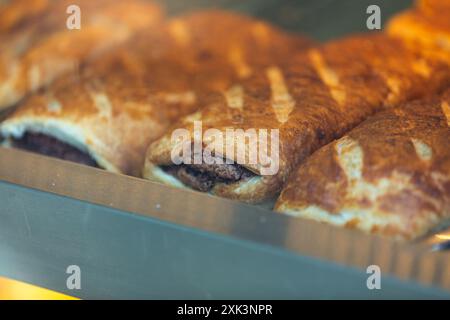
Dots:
{"x": 362, "y": 122}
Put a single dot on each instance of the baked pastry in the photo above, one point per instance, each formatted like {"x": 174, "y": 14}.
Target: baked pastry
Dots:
{"x": 389, "y": 176}
{"x": 108, "y": 114}
{"x": 36, "y": 46}
{"x": 425, "y": 28}
{"x": 311, "y": 100}
{"x": 434, "y": 8}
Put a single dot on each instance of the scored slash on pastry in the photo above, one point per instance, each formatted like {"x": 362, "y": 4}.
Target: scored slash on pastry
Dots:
{"x": 282, "y": 101}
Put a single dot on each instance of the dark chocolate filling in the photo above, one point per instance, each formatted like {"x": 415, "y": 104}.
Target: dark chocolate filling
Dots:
{"x": 203, "y": 177}
{"x": 49, "y": 146}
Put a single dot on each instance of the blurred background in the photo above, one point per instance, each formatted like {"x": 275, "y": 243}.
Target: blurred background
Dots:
{"x": 321, "y": 19}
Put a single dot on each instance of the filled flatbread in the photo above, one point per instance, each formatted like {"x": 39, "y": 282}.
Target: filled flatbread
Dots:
{"x": 389, "y": 176}
{"x": 306, "y": 103}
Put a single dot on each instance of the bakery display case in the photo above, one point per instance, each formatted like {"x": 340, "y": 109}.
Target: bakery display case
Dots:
{"x": 132, "y": 238}
{"x": 135, "y": 239}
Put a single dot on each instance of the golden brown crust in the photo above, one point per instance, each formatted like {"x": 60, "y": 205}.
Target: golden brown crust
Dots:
{"x": 36, "y": 46}
{"x": 312, "y": 100}
{"x": 389, "y": 176}
{"x": 125, "y": 99}
{"x": 425, "y": 28}
{"x": 437, "y": 11}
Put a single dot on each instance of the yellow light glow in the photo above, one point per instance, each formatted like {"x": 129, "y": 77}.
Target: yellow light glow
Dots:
{"x": 443, "y": 236}
{"x": 16, "y": 290}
